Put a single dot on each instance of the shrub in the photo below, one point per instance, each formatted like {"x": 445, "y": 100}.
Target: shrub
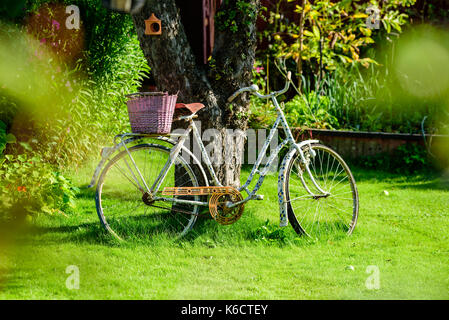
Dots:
{"x": 359, "y": 100}
{"x": 61, "y": 110}
{"x": 33, "y": 186}
{"x": 4, "y": 137}
{"x": 81, "y": 103}
{"x": 329, "y": 55}
{"x": 406, "y": 159}
{"x": 328, "y": 34}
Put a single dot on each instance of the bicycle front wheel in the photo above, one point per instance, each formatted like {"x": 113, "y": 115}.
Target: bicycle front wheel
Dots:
{"x": 324, "y": 202}
{"x": 123, "y": 204}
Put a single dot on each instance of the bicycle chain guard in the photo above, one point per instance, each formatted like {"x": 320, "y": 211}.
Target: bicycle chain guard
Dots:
{"x": 218, "y": 202}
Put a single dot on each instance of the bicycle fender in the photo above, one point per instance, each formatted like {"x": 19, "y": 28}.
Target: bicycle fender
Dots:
{"x": 282, "y": 197}
{"x": 282, "y": 180}
{"x": 107, "y": 152}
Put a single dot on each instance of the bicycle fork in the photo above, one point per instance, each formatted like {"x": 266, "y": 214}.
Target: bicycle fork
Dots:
{"x": 282, "y": 178}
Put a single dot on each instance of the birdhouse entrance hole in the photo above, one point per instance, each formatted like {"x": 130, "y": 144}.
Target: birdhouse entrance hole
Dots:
{"x": 153, "y": 26}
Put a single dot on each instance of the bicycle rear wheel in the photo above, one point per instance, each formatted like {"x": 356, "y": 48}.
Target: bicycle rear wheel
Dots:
{"x": 123, "y": 204}
{"x": 315, "y": 213}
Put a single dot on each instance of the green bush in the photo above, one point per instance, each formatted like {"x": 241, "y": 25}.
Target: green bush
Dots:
{"x": 82, "y": 102}
{"x": 357, "y": 100}
{"x": 34, "y": 186}
{"x": 328, "y": 34}
{"x": 406, "y": 159}
{"x": 4, "y": 137}
{"x": 358, "y": 79}
{"x": 310, "y": 110}
{"x": 62, "y": 111}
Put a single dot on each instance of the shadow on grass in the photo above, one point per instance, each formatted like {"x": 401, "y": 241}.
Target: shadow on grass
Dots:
{"x": 134, "y": 231}
{"x": 86, "y": 193}
{"x": 440, "y": 184}
{"x": 90, "y": 233}
{"x": 75, "y": 229}
{"x": 380, "y": 173}
{"x": 206, "y": 232}
{"x": 251, "y": 229}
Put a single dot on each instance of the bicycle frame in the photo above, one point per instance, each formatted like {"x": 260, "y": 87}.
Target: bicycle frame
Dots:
{"x": 288, "y": 141}
{"x": 251, "y": 194}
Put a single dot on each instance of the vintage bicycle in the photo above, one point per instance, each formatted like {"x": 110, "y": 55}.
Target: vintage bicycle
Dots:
{"x": 146, "y": 184}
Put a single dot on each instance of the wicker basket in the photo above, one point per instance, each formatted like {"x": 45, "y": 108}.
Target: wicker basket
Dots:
{"x": 151, "y": 112}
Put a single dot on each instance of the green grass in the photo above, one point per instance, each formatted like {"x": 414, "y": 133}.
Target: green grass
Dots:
{"x": 404, "y": 234}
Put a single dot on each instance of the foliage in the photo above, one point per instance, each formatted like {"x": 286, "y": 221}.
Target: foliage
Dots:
{"x": 260, "y": 75}
{"x": 102, "y": 96}
{"x": 244, "y": 13}
{"x": 406, "y": 159}
{"x": 412, "y": 158}
{"x": 34, "y": 186}
{"x": 270, "y": 233}
{"x": 341, "y": 94}
{"x": 91, "y": 91}
{"x": 4, "y": 137}
{"x": 357, "y": 99}
{"x": 310, "y": 110}
{"x": 435, "y": 12}
{"x": 11, "y": 9}
{"x": 331, "y": 33}
{"x": 62, "y": 110}
{"x": 85, "y": 98}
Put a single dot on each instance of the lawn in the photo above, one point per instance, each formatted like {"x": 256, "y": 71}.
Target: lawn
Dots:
{"x": 403, "y": 234}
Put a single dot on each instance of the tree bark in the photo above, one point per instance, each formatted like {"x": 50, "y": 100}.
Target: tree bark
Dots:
{"x": 174, "y": 68}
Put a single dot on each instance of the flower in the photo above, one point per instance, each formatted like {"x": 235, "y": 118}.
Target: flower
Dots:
{"x": 258, "y": 69}
{"x": 55, "y": 23}
{"x": 21, "y": 189}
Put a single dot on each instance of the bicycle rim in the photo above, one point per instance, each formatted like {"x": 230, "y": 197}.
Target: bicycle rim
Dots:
{"x": 123, "y": 204}
{"x": 319, "y": 214}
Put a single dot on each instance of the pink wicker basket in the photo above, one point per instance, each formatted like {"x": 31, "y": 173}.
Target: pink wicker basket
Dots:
{"x": 151, "y": 112}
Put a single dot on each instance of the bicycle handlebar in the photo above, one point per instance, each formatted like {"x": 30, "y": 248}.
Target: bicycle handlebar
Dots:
{"x": 254, "y": 88}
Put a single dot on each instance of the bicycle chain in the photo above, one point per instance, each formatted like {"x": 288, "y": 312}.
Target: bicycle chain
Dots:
{"x": 218, "y": 202}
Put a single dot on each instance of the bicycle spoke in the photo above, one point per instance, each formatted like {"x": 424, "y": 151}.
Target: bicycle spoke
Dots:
{"x": 126, "y": 176}
{"x": 141, "y": 215}
{"x": 320, "y": 214}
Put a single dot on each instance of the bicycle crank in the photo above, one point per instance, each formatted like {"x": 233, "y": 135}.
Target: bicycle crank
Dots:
{"x": 219, "y": 202}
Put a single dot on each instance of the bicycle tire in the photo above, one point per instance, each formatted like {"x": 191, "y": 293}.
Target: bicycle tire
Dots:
{"x": 188, "y": 212}
{"x": 313, "y": 227}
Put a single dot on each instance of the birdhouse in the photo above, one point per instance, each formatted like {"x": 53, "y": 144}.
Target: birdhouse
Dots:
{"x": 153, "y": 26}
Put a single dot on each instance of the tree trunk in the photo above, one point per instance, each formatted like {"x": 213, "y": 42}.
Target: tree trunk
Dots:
{"x": 174, "y": 68}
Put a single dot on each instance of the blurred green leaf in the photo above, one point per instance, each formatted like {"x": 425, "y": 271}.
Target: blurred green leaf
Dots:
{"x": 10, "y": 138}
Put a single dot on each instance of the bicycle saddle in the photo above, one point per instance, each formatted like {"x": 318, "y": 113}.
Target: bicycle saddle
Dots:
{"x": 192, "y": 107}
